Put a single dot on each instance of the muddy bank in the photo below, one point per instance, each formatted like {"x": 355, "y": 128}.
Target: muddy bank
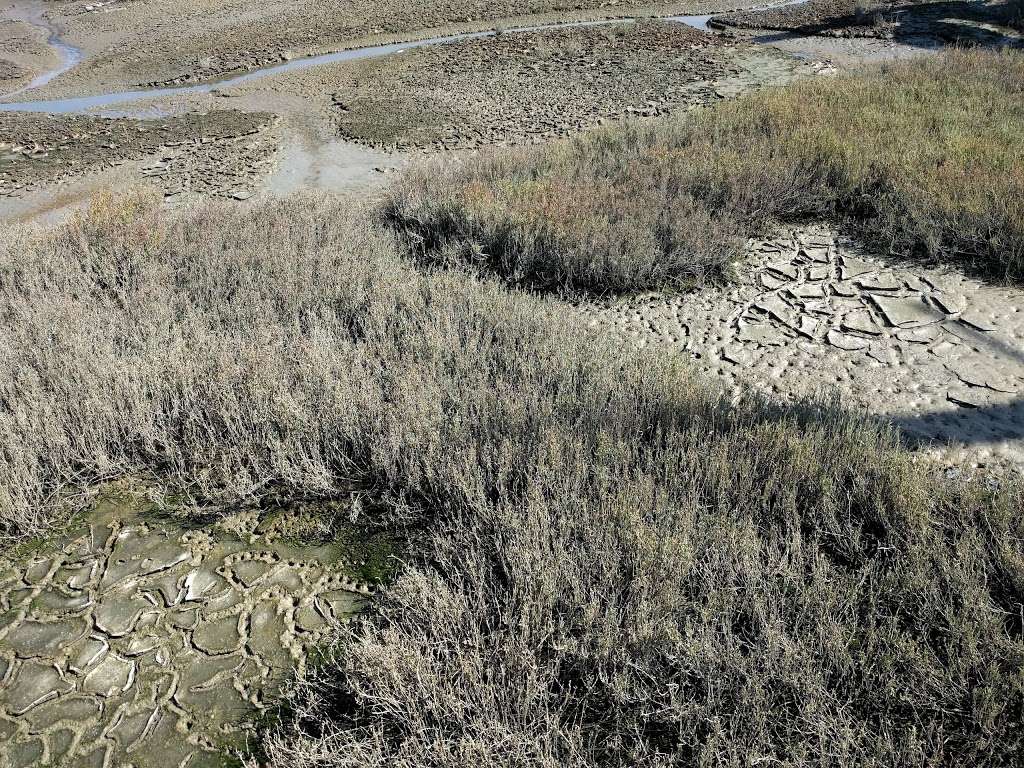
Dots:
{"x": 219, "y": 153}
{"x": 532, "y": 86}
{"x": 130, "y": 44}
{"x": 25, "y": 51}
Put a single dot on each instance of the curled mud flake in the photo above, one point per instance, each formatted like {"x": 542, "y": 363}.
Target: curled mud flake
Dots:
{"x": 341, "y": 604}
{"x": 139, "y": 645}
{"x": 131, "y": 729}
{"x": 808, "y": 291}
{"x": 816, "y": 253}
{"x": 86, "y": 654}
{"x": 950, "y": 303}
{"x": 113, "y": 675}
{"x": 308, "y": 618}
{"x": 885, "y": 281}
{"x": 973, "y": 318}
{"x": 32, "y": 685}
{"x": 808, "y": 327}
{"x": 785, "y": 269}
{"x": 167, "y": 590}
{"x": 71, "y": 709}
{"x": 846, "y": 342}
{"x": 118, "y": 612}
{"x": 184, "y": 618}
{"x": 861, "y": 321}
{"x": 907, "y": 312}
{"x": 844, "y": 288}
{"x": 227, "y": 601}
{"x": 78, "y": 576}
{"x": 852, "y": 267}
{"x": 203, "y": 583}
{"x": 925, "y": 335}
{"x": 218, "y": 637}
{"x": 39, "y": 571}
{"x": 53, "y": 602}
{"x": 251, "y": 572}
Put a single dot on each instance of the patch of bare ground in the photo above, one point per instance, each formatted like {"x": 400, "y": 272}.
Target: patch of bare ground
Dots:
{"x": 813, "y": 310}
{"x": 924, "y": 157}
{"x": 217, "y": 153}
{"x": 528, "y": 87}
{"x": 158, "y": 41}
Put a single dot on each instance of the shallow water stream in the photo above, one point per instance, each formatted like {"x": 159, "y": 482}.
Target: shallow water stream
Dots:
{"x": 71, "y": 56}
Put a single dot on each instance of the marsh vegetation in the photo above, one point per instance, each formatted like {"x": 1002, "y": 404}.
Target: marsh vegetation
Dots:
{"x": 923, "y": 157}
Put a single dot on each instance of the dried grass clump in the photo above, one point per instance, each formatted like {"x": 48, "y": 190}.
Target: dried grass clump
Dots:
{"x": 924, "y": 156}
{"x": 618, "y": 568}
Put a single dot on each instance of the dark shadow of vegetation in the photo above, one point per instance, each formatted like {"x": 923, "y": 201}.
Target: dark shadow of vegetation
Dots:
{"x": 922, "y": 24}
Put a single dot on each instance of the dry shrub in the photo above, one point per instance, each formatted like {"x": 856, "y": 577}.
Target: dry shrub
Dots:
{"x": 923, "y": 156}
{"x": 619, "y": 568}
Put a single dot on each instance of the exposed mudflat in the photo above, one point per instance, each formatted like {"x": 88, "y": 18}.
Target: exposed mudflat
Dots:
{"x": 136, "y": 42}
{"x": 24, "y": 48}
{"x": 535, "y": 86}
{"x": 138, "y": 641}
{"x": 219, "y": 153}
{"x": 936, "y": 352}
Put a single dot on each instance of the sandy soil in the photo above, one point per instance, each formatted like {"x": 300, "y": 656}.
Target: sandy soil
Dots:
{"x": 141, "y": 42}
{"x": 936, "y": 352}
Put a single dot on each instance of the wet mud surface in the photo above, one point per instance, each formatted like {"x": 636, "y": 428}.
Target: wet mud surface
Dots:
{"x": 938, "y": 353}
{"x": 220, "y": 153}
{"x": 139, "y": 641}
{"x": 24, "y": 50}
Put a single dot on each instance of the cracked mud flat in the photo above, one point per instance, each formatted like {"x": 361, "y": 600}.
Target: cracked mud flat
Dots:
{"x": 938, "y": 353}
{"x": 143, "y": 42}
{"x": 220, "y": 154}
{"x": 536, "y": 86}
{"x": 142, "y": 643}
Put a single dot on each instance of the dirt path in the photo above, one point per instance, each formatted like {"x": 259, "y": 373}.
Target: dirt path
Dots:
{"x": 936, "y": 352}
